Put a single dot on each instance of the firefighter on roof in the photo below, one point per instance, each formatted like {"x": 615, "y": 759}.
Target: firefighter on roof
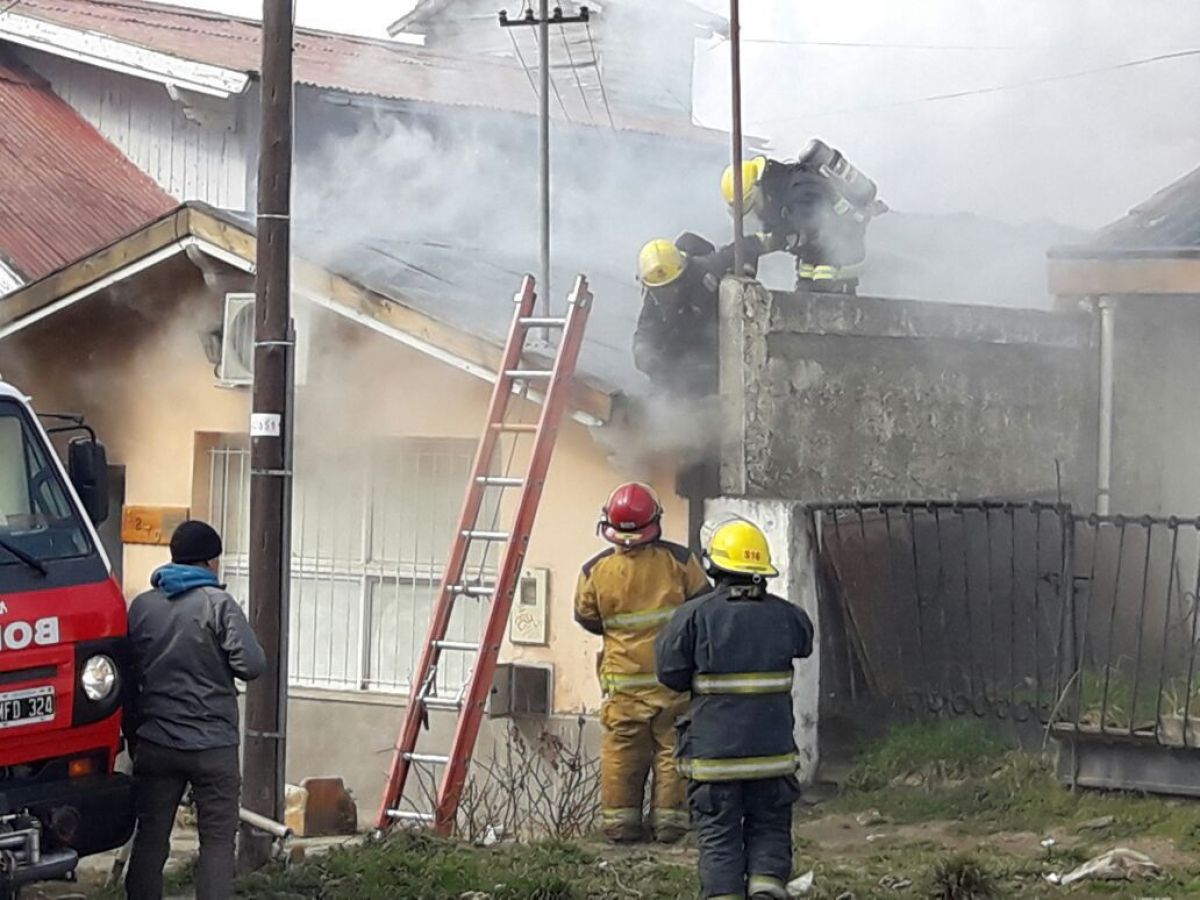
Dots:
{"x": 675, "y": 343}
{"x": 733, "y": 649}
{"x": 817, "y": 207}
{"x": 627, "y": 594}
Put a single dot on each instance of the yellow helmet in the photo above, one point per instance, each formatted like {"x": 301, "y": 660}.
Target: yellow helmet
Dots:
{"x": 659, "y": 263}
{"x": 752, "y": 172}
{"x": 740, "y": 548}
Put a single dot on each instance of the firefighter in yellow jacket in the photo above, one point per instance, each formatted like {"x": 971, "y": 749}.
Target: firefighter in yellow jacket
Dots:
{"x": 627, "y": 594}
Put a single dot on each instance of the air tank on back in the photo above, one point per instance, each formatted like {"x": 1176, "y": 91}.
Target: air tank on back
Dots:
{"x": 858, "y": 190}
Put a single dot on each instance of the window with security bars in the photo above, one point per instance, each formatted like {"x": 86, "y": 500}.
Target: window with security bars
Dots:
{"x": 370, "y": 533}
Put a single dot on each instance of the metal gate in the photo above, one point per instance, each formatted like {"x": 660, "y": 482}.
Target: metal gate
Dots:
{"x": 1027, "y": 611}
{"x": 953, "y": 608}
{"x": 1133, "y": 647}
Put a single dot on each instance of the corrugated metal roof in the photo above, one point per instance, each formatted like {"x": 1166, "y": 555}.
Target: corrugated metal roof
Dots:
{"x": 1165, "y": 226}
{"x": 64, "y": 190}
{"x": 426, "y": 10}
{"x": 332, "y": 61}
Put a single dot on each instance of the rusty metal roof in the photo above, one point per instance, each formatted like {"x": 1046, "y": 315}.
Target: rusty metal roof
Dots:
{"x": 338, "y": 62}
{"x": 1166, "y": 225}
{"x": 64, "y": 190}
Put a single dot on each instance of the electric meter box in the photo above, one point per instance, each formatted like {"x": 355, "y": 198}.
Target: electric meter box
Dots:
{"x": 520, "y": 689}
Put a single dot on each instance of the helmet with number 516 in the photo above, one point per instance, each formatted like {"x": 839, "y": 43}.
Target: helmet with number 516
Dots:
{"x": 739, "y": 547}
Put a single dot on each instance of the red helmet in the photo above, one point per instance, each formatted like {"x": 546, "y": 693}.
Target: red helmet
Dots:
{"x": 631, "y": 515}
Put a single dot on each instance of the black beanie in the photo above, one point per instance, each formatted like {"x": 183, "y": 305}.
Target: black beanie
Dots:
{"x": 195, "y": 542}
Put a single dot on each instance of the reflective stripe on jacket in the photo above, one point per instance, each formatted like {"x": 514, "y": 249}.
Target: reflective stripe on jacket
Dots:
{"x": 734, "y": 649}
{"x": 628, "y": 596}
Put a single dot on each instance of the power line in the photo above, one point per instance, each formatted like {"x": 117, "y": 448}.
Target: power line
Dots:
{"x": 955, "y": 95}
{"x": 550, "y": 80}
{"x": 599, "y": 76}
{"x": 571, "y": 61}
{"x": 871, "y": 45}
{"x": 524, "y": 68}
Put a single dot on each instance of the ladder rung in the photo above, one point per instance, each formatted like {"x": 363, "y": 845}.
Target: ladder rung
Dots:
{"x": 486, "y": 535}
{"x": 465, "y": 646}
{"x": 543, "y": 322}
{"x": 517, "y": 427}
{"x": 499, "y": 481}
{"x": 472, "y": 590}
{"x": 443, "y": 702}
{"x": 529, "y": 373}
{"x": 410, "y": 815}
{"x": 432, "y": 759}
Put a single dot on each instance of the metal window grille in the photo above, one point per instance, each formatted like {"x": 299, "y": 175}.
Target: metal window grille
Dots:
{"x": 370, "y": 532}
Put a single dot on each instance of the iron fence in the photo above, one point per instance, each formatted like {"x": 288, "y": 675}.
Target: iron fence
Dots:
{"x": 1133, "y": 647}
{"x": 953, "y": 608}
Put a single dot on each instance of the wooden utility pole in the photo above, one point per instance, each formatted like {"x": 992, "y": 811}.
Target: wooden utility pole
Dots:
{"x": 270, "y": 431}
{"x": 542, "y": 21}
{"x": 735, "y": 83}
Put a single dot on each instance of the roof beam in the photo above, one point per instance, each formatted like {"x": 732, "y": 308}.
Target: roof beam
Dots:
{"x": 109, "y": 53}
{"x": 1123, "y": 276}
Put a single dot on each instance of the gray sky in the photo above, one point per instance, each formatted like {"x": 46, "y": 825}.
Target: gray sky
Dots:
{"x": 1080, "y": 151}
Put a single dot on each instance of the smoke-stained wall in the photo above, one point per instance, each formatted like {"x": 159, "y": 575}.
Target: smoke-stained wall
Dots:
{"x": 832, "y": 398}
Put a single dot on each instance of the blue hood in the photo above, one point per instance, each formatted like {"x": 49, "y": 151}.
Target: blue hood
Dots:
{"x": 174, "y": 579}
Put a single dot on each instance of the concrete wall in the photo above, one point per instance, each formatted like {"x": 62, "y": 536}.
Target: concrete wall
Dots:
{"x": 835, "y": 398}
{"x": 1156, "y": 425}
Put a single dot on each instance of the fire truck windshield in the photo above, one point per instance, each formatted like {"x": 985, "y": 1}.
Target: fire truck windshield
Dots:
{"x": 37, "y": 519}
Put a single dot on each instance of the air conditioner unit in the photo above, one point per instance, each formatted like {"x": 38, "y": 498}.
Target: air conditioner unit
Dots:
{"x": 236, "y": 367}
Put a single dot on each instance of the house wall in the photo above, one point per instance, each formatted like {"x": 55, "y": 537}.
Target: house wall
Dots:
{"x": 833, "y": 398}
{"x": 1155, "y": 423}
{"x": 191, "y": 160}
{"x": 137, "y": 370}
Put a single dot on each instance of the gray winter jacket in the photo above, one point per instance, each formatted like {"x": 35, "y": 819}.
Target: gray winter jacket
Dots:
{"x": 188, "y": 640}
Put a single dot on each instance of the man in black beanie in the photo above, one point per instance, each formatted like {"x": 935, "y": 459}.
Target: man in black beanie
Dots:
{"x": 188, "y": 640}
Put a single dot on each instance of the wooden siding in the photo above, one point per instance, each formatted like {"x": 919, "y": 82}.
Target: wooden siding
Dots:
{"x": 190, "y": 161}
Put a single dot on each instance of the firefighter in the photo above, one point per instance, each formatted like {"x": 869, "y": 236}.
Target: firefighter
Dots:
{"x": 626, "y": 594}
{"x": 817, "y": 207}
{"x": 733, "y": 649}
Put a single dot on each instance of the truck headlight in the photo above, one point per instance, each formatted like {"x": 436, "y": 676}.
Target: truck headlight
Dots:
{"x": 98, "y": 677}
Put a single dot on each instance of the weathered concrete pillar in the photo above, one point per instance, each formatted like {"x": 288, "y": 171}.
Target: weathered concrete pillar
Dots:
{"x": 745, "y": 308}
{"x": 786, "y": 525}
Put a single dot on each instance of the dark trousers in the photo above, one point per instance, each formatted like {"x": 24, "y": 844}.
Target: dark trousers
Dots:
{"x": 744, "y": 831}
{"x": 160, "y": 776}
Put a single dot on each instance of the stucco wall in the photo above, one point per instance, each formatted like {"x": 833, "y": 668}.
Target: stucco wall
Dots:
{"x": 836, "y": 398}
{"x": 1155, "y": 421}
{"x": 133, "y": 363}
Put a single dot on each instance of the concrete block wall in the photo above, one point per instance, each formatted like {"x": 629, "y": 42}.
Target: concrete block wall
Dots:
{"x": 829, "y": 397}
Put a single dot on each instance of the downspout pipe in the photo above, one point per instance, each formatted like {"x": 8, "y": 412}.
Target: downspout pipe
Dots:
{"x": 1107, "y": 308}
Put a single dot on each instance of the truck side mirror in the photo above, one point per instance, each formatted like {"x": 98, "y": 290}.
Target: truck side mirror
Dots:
{"x": 87, "y": 464}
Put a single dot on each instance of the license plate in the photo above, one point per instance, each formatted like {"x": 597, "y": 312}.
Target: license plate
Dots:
{"x": 26, "y": 706}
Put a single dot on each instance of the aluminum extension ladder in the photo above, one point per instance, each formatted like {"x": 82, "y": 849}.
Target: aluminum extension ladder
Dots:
{"x": 554, "y": 384}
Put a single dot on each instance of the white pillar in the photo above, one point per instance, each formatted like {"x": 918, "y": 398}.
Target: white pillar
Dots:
{"x": 785, "y": 524}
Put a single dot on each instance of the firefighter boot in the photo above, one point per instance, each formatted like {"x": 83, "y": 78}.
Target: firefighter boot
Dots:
{"x": 626, "y": 748}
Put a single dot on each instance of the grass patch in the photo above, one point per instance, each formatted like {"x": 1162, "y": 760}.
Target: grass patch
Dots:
{"x": 418, "y": 865}
{"x": 961, "y": 878}
{"x": 961, "y": 772}
{"x": 938, "y": 750}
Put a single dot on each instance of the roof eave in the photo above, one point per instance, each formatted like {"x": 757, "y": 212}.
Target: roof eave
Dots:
{"x": 102, "y": 51}
{"x": 1088, "y": 272}
{"x": 194, "y": 224}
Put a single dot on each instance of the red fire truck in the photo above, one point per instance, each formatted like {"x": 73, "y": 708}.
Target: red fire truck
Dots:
{"x": 62, "y": 653}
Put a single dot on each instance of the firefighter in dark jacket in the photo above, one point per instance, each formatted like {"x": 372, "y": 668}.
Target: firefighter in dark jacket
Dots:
{"x": 733, "y": 649}
{"x": 675, "y": 343}
{"x": 817, "y": 207}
